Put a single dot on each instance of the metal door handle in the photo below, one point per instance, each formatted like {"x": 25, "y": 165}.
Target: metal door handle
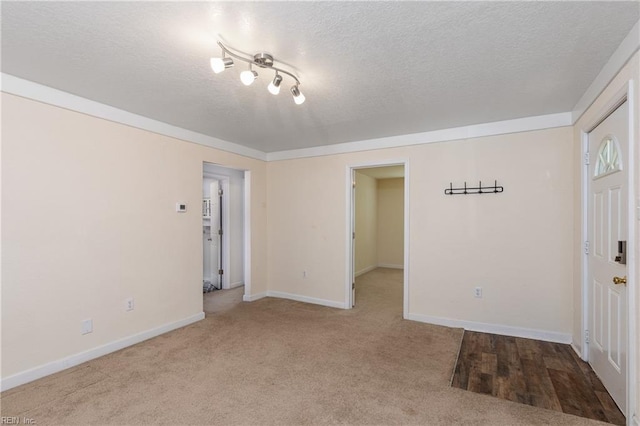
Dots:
{"x": 618, "y": 280}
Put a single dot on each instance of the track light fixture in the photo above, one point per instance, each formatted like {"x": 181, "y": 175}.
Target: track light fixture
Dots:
{"x": 261, "y": 60}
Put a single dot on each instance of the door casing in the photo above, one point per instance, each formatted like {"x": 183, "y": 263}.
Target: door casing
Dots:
{"x": 246, "y": 223}
{"x": 626, "y": 93}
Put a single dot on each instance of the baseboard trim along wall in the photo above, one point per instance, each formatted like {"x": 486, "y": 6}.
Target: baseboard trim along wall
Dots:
{"x": 254, "y": 297}
{"x": 576, "y": 350}
{"x": 390, "y": 266}
{"x": 236, "y": 284}
{"x": 306, "y": 299}
{"x": 73, "y": 360}
{"x": 379, "y": 265}
{"x": 296, "y": 297}
{"x": 365, "y": 270}
{"x": 505, "y": 330}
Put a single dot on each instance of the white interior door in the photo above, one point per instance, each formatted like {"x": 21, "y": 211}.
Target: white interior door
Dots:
{"x": 607, "y": 224}
{"x": 215, "y": 249}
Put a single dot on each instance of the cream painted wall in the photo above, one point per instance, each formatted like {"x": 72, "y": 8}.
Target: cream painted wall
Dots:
{"x": 630, "y": 72}
{"x": 390, "y": 222}
{"x": 88, "y": 218}
{"x": 516, "y": 245}
{"x": 366, "y": 199}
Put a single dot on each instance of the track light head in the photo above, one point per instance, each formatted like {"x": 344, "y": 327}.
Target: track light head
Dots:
{"x": 274, "y": 86}
{"x": 220, "y": 64}
{"x": 298, "y": 97}
{"x": 247, "y": 77}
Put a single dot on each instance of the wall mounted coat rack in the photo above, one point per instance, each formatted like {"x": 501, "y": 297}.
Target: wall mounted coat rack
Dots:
{"x": 474, "y": 190}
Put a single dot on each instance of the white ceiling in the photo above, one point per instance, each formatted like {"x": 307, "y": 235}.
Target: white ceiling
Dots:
{"x": 368, "y": 69}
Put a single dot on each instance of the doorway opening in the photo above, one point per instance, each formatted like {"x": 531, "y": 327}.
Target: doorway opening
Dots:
{"x": 378, "y": 233}
{"x": 225, "y": 234}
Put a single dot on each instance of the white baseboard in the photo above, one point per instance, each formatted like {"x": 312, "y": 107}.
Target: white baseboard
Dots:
{"x": 73, "y": 360}
{"x": 296, "y": 297}
{"x": 365, "y": 270}
{"x": 506, "y": 330}
{"x": 576, "y": 350}
{"x": 254, "y": 297}
{"x": 636, "y": 420}
{"x": 236, "y": 284}
{"x": 390, "y": 265}
{"x": 306, "y": 299}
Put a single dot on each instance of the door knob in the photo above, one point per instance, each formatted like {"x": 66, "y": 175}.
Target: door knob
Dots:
{"x": 618, "y": 280}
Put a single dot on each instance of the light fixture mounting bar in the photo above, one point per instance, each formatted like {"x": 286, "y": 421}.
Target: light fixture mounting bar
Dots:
{"x": 262, "y": 60}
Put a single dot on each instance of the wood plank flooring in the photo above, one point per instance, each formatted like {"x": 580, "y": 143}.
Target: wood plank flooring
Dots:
{"x": 533, "y": 372}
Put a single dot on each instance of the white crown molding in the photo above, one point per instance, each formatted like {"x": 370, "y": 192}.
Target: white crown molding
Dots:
{"x": 38, "y": 92}
{"x": 526, "y": 124}
{"x": 77, "y": 359}
{"x": 505, "y": 330}
{"x": 629, "y": 46}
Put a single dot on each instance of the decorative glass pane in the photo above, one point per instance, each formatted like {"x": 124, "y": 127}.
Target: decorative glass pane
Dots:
{"x": 608, "y": 157}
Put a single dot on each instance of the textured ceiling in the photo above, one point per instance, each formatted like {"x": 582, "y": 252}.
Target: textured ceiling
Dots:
{"x": 368, "y": 69}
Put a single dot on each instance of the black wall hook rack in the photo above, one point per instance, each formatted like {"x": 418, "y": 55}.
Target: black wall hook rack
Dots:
{"x": 474, "y": 190}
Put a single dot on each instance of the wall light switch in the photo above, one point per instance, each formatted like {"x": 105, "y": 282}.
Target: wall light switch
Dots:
{"x": 181, "y": 207}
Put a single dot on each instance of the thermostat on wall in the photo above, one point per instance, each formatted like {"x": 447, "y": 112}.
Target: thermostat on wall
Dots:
{"x": 181, "y": 207}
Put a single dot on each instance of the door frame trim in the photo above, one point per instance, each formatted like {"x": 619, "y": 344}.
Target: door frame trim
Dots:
{"x": 246, "y": 267}
{"x": 226, "y": 237}
{"x": 625, "y": 93}
{"x": 247, "y": 235}
{"x": 350, "y": 170}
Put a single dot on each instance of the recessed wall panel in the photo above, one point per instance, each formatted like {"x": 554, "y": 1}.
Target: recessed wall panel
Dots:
{"x": 598, "y": 323}
{"x": 598, "y": 224}
{"x": 614, "y": 223}
{"x": 615, "y": 328}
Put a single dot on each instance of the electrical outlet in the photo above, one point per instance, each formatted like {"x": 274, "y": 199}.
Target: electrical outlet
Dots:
{"x": 478, "y": 292}
{"x": 87, "y": 326}
{"x": 129, "y": 305}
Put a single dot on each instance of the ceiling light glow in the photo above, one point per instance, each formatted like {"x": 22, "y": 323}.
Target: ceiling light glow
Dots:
{"x": 247, "y": 77}
{"x": 220, "y": 64}
{"x": 298, "y": 97}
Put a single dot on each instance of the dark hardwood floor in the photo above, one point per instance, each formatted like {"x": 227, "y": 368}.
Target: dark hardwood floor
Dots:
{"x": 542, "y": 374}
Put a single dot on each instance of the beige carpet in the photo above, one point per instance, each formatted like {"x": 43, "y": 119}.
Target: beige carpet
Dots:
{"x": 279, "y": 362}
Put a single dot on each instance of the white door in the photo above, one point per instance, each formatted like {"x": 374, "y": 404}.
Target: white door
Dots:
{"x": 607, "y": 224}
